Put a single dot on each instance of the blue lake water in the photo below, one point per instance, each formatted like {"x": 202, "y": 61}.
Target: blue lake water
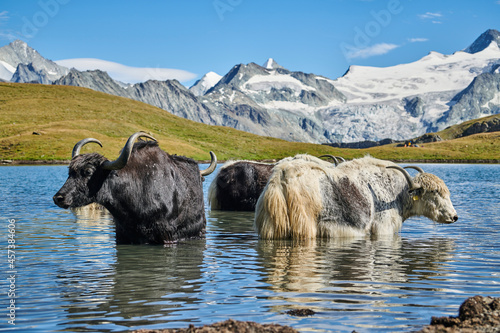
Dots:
{"x": 71, "y": 276}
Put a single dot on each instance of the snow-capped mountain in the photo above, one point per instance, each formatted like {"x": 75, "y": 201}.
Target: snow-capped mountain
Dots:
{"x": 481, "y": 98}
{"x": 18, "y": 52}
{"x": 276, "y": 89}
{"x": 200, "y": 87}
{"x": 417, "y": 97}
{"x": 271, "y": 64}
{"x": 484, "y": 41}
{"x": 273, "y": 102}
{"x": 367, "y": 103}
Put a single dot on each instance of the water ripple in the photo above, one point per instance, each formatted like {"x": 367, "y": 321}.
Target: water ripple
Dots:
{"x": 72, "y": 276}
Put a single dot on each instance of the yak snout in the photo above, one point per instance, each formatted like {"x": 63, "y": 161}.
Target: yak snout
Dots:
{"x": 454, "y": 218}
{"x": 448, "y": 216}
{"x": 450, "y": 220}
{"x": 60, "y": 200}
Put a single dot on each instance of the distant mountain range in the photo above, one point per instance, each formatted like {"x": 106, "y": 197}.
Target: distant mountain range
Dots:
{"x": 366, "y": 103}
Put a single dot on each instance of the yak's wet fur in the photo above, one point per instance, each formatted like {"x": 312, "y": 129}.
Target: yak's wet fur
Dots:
{"x": 156, "y": 198}
{"x": 307, "y": 200}
{"x": 238, "y": 184}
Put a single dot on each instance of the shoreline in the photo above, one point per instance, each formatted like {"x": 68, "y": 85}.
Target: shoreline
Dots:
{"x": 476, "y": 314}
{"x": 66, "y": 162}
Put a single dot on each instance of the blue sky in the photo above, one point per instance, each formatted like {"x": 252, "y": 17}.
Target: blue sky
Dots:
{"x": 322, "y": 37}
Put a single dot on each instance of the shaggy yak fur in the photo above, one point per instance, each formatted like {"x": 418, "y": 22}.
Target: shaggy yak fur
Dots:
{"x": 362, "y": 196}
{"x": 238, "y": 184}
{"x": 155, "y": 199}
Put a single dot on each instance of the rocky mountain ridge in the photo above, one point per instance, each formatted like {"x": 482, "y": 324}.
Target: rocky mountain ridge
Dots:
{"x": 19, "y": 53}
{"x": 424, "y": 96}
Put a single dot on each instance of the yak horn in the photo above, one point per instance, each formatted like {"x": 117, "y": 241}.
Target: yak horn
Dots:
{"x": 419, "y": 169}
{"x": 211, "y": 167}
{"x": 332, "y": 157}
{"x": 81, "y": 143}
{"x": 411, "y": 184}
{"x": 122, "y": 160}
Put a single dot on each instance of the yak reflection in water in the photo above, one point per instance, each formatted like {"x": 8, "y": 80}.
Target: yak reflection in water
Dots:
{"x": 93, "y": 213}
{"x": 128, "y": 285}
{"x": 138, "y": 285}
{"x": 354, "y": 266}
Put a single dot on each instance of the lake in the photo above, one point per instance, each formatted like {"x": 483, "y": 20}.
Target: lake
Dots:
{"x": 69, "y": 275}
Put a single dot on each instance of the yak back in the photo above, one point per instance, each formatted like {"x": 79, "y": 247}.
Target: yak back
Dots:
{"x": 363, "y": 196}
{"x": 156, "y": 197}
{"x": 238, "y": 185}
{"x": 304, "y": 199}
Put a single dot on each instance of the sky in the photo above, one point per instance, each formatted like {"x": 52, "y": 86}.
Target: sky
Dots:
{"x": 163, "y": 39}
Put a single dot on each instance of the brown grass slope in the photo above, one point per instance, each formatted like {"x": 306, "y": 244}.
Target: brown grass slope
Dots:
{"x": 485, "y": 124}
{"x": 63, "y": 115}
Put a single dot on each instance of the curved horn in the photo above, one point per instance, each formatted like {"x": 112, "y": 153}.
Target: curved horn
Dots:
{"x": 341, "y": 158}
{"x": 411, "y": 184}
{"x": 332, "y": 157}
{"x": 81, "y": 143}
{"x": 122, "y": 160}
{"x": 419, "y": 169}
{"x": 211, "y": 167}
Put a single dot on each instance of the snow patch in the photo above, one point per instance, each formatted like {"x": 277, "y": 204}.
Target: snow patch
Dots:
{"x": 267, "y": 82}
{"x": 6, "y": 71}
{"x": 433, "y": 73}
{"x": 208, "y": 81}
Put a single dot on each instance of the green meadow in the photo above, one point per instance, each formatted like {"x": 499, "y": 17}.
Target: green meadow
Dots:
{"x": 43, "y": 123}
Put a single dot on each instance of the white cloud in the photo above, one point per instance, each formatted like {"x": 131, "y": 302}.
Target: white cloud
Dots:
{"x": 4, "y": 15}
{"x": 127, "y": 74}
{"x": 370, "y": 51}
{"x": 431, "y": 16}
{"x": 417, "y": 40}
{"x": 9, "y": 35}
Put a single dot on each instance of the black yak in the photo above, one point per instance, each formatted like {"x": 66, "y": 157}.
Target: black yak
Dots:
{"x": 154, "y": 197}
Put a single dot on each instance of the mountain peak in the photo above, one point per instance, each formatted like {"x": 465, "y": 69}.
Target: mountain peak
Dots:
{"x": 200, "y": 87}
{"x": 271, "y": 64}
{"x": 19, "y": 46}
{"x": 18, "y": 52}
{"x": 19, "y": 43}
{"x": 483, "y": 41}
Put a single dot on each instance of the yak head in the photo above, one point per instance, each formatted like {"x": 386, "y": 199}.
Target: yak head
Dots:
{"x": 87, "y": 172}
{"x": 429, "y": 196}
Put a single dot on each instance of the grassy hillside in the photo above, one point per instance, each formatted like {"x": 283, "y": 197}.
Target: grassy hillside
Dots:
{"x": 458, "y": 131}
{"x": 475, "y": 148}
{"x": 63, "y": 115}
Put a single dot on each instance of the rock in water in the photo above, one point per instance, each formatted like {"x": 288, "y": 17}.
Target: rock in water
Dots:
{"x": 476, "y": 314}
